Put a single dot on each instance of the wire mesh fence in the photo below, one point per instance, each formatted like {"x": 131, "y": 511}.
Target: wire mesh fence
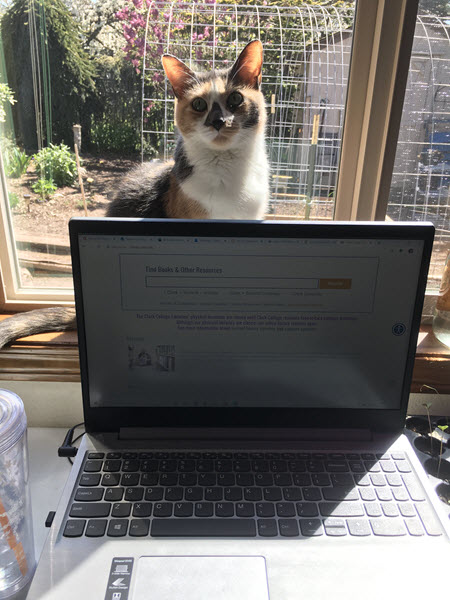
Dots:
{"x": 307, "y": 53}
{"x": 306, "y": 60}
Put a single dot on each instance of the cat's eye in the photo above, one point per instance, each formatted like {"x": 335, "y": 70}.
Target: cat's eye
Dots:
{"x": 234, "y": 99}
{"x": 199, "y": 104}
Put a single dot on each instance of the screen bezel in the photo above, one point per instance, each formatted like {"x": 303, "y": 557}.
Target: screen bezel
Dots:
{"x": 110, "y": 419}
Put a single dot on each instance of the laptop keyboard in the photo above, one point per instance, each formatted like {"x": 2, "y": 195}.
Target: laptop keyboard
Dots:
{"x": 248, "y": 494}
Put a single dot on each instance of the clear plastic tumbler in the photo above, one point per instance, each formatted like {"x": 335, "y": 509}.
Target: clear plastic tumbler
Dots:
{"x": 17, "y": 561}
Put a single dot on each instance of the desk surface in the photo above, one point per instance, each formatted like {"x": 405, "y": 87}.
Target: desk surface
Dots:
{"x": 48, "y": 474}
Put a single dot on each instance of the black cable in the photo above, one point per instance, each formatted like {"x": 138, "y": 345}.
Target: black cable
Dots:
{"x": 67, "y": 449}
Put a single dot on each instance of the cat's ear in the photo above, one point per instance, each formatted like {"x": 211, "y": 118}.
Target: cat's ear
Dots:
{"x": 247, "y": 69}
{"x": 179, "y": 74}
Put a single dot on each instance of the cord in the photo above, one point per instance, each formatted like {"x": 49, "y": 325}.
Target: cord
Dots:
{"x": 67, "y": 449}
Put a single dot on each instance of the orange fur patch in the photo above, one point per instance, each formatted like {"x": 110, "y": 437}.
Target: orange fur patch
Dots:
{"x": 180, "y": 206}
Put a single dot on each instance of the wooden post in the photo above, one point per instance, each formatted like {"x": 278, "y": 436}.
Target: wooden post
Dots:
{"x": 80, "y": 180}
{"x": 312, "y": 154}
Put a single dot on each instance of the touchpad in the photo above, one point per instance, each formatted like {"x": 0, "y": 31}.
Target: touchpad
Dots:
{"x": 201, "y": 578}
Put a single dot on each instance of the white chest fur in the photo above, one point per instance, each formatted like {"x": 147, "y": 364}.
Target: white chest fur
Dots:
{"x": 229, "y": 184}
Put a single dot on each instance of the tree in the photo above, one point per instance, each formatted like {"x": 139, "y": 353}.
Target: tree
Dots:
{"x": 71, "y": 72}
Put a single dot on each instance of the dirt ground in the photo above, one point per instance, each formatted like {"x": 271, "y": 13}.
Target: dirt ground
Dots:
{"x": 33, "y": 216}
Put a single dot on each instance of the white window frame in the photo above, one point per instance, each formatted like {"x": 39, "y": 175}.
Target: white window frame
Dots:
{"x": 381, "y": 48}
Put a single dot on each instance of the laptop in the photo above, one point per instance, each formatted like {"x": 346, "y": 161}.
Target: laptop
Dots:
{"x": 245, "y": 386}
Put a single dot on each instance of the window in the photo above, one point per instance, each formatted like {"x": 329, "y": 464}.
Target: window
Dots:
{"x": 332, "y": 129}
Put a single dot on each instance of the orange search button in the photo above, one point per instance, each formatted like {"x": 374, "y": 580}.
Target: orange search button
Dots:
{"x": 335, "y": 284}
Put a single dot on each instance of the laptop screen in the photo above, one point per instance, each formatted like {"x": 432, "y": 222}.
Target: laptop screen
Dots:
{"x": 310, "y": 321}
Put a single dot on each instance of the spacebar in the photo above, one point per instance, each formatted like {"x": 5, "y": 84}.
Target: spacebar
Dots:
{"x": 203, "y": 528}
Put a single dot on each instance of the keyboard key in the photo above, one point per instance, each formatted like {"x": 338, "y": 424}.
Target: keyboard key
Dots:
{"x": 388, "y": 527}
{"x": 265, "y": 509}
{"x": 96, "y": 528}
{"x": 114, "y": 455}
{"x": 90, "y": 511}
{"x": 311, "y": 527}
{"x": 117, "y": 527}
{"x": 407, "y": 509}
{"x": 245, "y": 509}
{"x": 384, "y": 494}
{"x": 367, "y": 494}
{"x": 282, "y": 479}
{"x": 272, "y": 494}
{"x": 263, "y": 479}
{"x": 172, "y": 494}
{"x": 114, "y": 494}
{"x": 226, "y": 479}
{"x": 252, "y": 494}
{"x": 204, "y": 509}
{"x": 400, "y": 494}
{"x": 89, "y": 494}
{"x": 373, "y": 509}
{"x": 414, "y": 527}
{"x": 74, "y": 528}
{"x": 96, "y": 455}
{"x": 321, "y": 479}
{"x": 183, "y": 509}
{"x": 162, "y": 509}
{"x": 134, "y": 494}
{"x": 121, "y": 510}
{"x": 213, "y": 494}
{"x": 307, "y": 509}
{"x": 311, "y": 494}
{"x": 342, "y": 480}
{"x": 302, "y": 479}
{"x": 187, "y": 479}
{"x": 148, "y": 479}
{"x": 224, "y": 509}
{"x": 153, "y": 494}
{"x": 130, "y": 479}
{"x": 93, "y": 466}
{"x": 344, "y": 509}
{"x": 111, "y": 479}
{"x": 288, "y": 527}
{"x": 285, "y": 509}
{"x": 139, "y": 527}
{"x": 335, "y": 527}
{"x": 292, "y": 494}
{"x": 390, "y": 509}
{"x": 168, "y": 479}
{"x": 429, "y": 520}
{"x": 232, "y": 494}
{"x": 130, "y": 466}
{"x": 89, "y": 479}
{"x": 340, "y": 493}
{"x": 193, "y": 494}
{"x": 203, "y": 528}
{"x": 207, "y": 479}
{"x": 245, "y": 479}
{"x": 359, "y": 527}
{"x": 414, "y": 489}
{"x": 112, "y": 466}
{"x": 142, "y": 509}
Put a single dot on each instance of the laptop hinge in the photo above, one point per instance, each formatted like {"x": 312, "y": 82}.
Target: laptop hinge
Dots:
{"x": 256, "y": 434}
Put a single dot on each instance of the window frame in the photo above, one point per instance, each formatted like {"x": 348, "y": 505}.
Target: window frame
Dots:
{"x": 381, "y": 49}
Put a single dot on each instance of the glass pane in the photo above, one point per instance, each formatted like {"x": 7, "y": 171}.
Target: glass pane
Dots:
{"x": 98, "y": 65}
{"x": 421, "y": 178}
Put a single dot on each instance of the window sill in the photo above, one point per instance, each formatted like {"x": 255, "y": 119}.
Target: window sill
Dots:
{"x": 54, "y": 357}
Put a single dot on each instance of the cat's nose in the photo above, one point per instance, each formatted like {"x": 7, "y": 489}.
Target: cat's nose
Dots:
{"x": 215, "y": 117}
{"x": 217, "y": 124}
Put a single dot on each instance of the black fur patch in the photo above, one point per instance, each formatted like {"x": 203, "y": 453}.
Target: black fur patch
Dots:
{"x": 181, "y": 169}
{"x": 253, "y": 116}
{"x": 142, "y": 194}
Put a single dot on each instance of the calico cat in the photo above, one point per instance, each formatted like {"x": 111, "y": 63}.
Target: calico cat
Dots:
{"x": 220, "y": 168}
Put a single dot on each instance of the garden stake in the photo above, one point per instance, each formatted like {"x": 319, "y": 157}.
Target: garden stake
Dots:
{"x": 80, "y": 180}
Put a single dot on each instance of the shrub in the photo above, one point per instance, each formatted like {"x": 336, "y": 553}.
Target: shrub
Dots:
{"x": 117, "y": 137}
{"x": 44, "y": 187}
{"x": 57, "y": 164}
{"x": 13, "y": 199}
{"x": 16, "y": 162}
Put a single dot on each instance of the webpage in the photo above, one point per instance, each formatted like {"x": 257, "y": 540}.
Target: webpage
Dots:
{"x": 247, "y": 322}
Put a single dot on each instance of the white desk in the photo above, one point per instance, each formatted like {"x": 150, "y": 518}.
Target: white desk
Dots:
{"x": 48, "y": 474}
